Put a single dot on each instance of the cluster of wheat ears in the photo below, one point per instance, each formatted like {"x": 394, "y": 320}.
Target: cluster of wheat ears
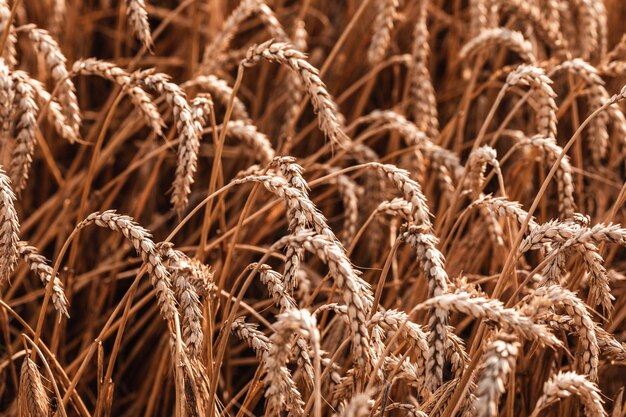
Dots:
{"x": 312, "y": 208}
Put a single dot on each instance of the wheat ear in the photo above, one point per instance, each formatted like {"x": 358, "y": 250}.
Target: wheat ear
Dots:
{"x": 281, "y": 392}
{"x": 423, "y": 100}
{"x": 497, "y": 366}
{"x": 329, "y": 117}
{"x": 32, "y": 400}
{"x": 566, "y": 384}
{"x": 433, "y": 265}
{"x": 39, "y": 265}
{"x": 56, "y": 62}
{"x": 55, "y": 111}
{"x": 181, "y": 270}
{"x": 188, "y": 129}
{"x": 141, "y": 240}
{"x": 111, "y": 72}
{"x": 357, "y": 294}
{"x": 138, "y": 20}
{"x": 490, "y": 309}
{"x": 495, "y": 37}
{"x": 10, "y": 228}
{"x": 220, "y": 90}
{"x": 9, "y": 53}
{"x": 383, "y": 25}
{"x": 25, "y": 131}
{"x": 546, "y": 297}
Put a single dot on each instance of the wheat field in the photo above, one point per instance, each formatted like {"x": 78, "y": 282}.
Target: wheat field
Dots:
{"x": 373, "y": 208}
